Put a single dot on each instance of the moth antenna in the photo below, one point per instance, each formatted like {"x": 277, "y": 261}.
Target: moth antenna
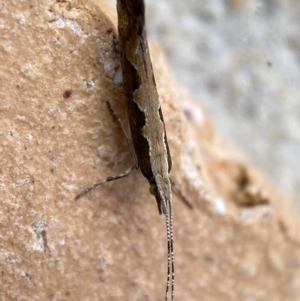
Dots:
{"x": 112, "y": 178}
{"x": 169, "y": 252}
{"x": 172, "y": 249}
{"x": 171, "y": 266}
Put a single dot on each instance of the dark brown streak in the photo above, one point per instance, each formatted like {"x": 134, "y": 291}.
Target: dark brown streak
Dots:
{"x": 130, "y": 24}
{"x": 165, "y": 139}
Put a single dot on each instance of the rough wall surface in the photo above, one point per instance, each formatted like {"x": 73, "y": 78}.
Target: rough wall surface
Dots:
{"x": 58, "y": 67}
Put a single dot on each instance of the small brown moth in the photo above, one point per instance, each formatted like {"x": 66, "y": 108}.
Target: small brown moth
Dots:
{"x": 148, "y": 144}
{"x": 145, "y": 116}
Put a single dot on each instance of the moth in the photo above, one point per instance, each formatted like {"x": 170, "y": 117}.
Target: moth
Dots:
{"x": 148, "y": 144}
{"x": 146, "y": 121}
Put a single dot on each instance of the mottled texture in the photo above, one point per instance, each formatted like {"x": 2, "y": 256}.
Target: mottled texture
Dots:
{"x": 147, "y": 127}
{"x": 58, "y": 65}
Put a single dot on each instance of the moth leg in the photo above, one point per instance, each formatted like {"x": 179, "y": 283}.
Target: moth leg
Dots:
{"x": 112, "y": 178}
{"x": 181, "y": 195}
{"x": 129, "y": 142}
